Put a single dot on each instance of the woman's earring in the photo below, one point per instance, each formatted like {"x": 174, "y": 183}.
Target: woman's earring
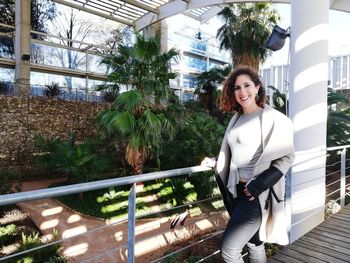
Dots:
{"x": 257, "y": 96}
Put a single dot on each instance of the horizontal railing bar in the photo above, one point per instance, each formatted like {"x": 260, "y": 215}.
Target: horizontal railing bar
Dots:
{"x": 329, "y": 165}
{"x": 327, "y": 185}
{"x": 177, "y": 207}
{"x": 336, "y": 200}
{"x": 104, "y": 254}
{"x": 338, "y": 147}
{"x": 6, "y": 25}
{"x": 337, "y": 171}
{"x": 96, "y": 185}
{"x": 333, "y": 192}
{"x": 337, "y": 181}
{"x": 209, "y": 256}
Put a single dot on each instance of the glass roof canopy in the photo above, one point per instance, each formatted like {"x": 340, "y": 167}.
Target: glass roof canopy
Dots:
{"x": 142, "y": 13}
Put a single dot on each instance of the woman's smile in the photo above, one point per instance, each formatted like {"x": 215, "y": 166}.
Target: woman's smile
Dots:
{"x": 245, "y": 93}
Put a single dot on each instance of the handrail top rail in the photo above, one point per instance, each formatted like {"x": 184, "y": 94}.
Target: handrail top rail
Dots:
{"x": 338, "y": 147}
{"x": 96, "y": 185}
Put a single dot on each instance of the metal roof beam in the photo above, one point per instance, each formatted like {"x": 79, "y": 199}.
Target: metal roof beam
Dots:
{"x": 179, "y": 6}
{"x": 340, "y": 5}
{"x": 142, "y": 6}
{"x": 209, "y": 14}
{"x": 88, "y": 10}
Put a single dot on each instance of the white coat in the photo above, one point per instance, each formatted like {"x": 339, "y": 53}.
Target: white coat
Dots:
{"x": 278, "y": 151}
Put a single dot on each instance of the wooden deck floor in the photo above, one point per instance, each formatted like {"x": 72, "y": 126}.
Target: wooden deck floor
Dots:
{"x": 328, "y": 242}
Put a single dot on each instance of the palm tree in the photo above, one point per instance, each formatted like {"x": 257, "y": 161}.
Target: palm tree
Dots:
{"x": 138, "y": 118}
{"x": 245, "y": 31}
{"x": 207, "y": 84}
{"x": 279, "y": 100}
{"x": 338, "y": 122}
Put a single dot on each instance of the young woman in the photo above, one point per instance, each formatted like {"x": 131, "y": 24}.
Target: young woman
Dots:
{"x": 256, "y": 153}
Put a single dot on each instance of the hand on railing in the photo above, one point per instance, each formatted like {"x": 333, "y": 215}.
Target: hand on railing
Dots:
{"x": 209, "y": 162}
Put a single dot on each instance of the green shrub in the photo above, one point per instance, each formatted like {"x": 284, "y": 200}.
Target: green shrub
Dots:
{"x": 7, "y": 234}
{"x": 200, "y": 136}
{"x": 204, "y": 184}
{"x": 172, "y": 259}
{"x": 46, "y": 254}
{"x": 82, "y": 162}
{"x": 8, "y": 182}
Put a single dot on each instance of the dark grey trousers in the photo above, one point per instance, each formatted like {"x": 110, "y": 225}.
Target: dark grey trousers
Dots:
{"x": 243, "y": 229}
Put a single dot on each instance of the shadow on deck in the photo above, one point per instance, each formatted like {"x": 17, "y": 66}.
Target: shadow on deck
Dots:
{"x": 328, "y": 242}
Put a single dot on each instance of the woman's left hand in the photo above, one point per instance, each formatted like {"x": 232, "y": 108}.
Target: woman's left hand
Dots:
{"x": 248, "y": 194}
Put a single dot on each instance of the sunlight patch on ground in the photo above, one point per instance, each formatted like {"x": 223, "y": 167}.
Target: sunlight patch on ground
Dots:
{"x": 52, "y": 211}
{"x": 73, "y": 219}
{"x": 118, "y": 236}
{"x": 204, "y": 224}
{"x": 150, "y": 245}
{"x": 74, "y": 231}
{"x": 218, "y": 204}
{"x": 49, "y": 224}
{"x": 76, "y": 250}
{"x": 150, "y": 226}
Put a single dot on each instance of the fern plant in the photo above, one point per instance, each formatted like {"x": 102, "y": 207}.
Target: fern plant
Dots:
{"x": 46, "y": 254}
{"x": 81, "y": 162}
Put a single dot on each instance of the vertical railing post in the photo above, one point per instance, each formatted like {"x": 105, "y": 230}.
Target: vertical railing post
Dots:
{"x": 342, "y": 177}
{"x": 131, "y": 224}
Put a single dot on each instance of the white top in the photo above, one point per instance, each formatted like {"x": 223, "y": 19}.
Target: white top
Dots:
{"x": 245, "y": 142}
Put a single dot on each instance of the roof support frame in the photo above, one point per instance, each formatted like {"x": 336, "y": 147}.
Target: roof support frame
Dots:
{"x": 85, "y": 9}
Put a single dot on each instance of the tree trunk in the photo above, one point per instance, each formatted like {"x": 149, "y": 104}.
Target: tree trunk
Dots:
{"x": 244, "y": 60}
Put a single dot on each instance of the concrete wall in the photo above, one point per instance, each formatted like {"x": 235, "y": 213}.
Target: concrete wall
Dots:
{"x": 23, "y": 117}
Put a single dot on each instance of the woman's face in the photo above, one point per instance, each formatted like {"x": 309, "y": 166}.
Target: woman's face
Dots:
{"x": 245, "y": 92}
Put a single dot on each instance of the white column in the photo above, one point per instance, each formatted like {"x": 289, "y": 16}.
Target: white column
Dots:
{"x": 308, "y": 110}
{"x": 22, "y": 47}
{"x": 161, "y": 28}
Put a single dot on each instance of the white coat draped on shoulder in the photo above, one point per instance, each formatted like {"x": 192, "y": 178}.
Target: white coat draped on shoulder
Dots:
{"x": 278, "y": 151}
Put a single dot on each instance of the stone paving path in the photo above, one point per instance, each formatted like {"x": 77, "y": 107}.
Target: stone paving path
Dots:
{"x": 153, "y": 236}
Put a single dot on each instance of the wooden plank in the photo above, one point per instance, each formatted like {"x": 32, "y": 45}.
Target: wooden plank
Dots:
{"x": 272, "y": 260}
{"x": 342, "y": 217}
{"x": 311, "y": 255}
{"x": 339, "y": 222}
{"x": 345, "y": 210}
{"x": 333, "y": 231}
{"x": 342, "y": 212}
{"x": 329, "y": 240}
{"x": 299, "y": 255}
{"x": 331, "y": 235}
{"x": 323, "y": 252}
{"x": 289, "y": 258}
{"x": 324, "y": 244}
{"x": 335, "y": 227}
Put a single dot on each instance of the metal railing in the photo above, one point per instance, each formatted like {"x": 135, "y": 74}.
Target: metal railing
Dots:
{"x": 133, "y": 180}
{"x": 96, "y": 185}
{"x": 339, "y": 168}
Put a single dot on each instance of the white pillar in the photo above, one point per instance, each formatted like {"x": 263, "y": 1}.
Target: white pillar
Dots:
{"x": 161, "y": 28}
{"x": 22, "y": 47}
{"x": 308, "y": 110}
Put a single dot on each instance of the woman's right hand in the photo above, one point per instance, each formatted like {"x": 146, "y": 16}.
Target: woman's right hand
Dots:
{"x": 209, "y": 162}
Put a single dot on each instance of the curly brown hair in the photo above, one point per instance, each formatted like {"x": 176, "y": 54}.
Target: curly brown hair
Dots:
{"x": 228, "y": 102}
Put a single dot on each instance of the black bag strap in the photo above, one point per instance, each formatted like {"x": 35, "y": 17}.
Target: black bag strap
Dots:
{"x": 269, "y": 198}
